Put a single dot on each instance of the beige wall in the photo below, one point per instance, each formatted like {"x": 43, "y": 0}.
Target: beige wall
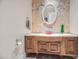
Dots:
{"x": 12, "y": 24}
{"x": 74, "y": 16}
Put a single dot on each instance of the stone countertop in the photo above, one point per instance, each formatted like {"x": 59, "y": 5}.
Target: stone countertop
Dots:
{"x": 52, "y": 34}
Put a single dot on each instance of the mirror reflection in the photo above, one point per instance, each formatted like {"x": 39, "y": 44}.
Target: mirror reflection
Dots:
{"x": 49, "y": 14}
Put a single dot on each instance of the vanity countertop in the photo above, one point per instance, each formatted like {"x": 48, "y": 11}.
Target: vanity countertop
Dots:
{"x": 52, "y": 34}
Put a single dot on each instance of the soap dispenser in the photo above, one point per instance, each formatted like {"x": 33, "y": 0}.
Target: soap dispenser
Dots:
{"x": 62, "y": 28}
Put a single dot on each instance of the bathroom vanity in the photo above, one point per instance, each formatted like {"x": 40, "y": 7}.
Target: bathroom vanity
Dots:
{"x": 51, "y": 31}
{"x": 51, "y": 44}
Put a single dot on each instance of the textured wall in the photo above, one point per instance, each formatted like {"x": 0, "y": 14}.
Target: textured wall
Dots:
{"x": 62, "y": 17}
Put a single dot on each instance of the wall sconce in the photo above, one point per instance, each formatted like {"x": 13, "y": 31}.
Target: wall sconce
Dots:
{"x": 27, "y": 23}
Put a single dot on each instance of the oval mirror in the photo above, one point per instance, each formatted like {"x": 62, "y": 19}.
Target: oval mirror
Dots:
{"x": 49, "y": 13}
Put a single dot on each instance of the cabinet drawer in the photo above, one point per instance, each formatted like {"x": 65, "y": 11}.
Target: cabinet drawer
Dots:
{"x": 42, "y": 46}
{"x": 55, "y": 47}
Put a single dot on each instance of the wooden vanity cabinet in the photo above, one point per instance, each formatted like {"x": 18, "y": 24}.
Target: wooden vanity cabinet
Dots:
{"x": 46, "y": 45}
{"x": 63, "y": 46}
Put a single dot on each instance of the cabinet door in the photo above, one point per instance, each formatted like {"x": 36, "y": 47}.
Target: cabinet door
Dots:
{"x": 71, "y": 45}
{"x": 29, "y": 44}
{"x": 55, "y": 47}
{"x": 42, "y": 46}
